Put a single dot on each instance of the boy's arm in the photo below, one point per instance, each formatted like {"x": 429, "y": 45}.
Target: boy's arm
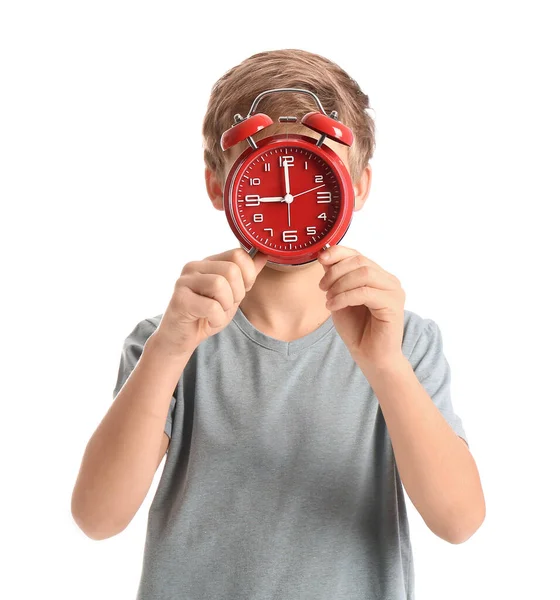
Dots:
{"x": 434, "y": 463}
{"x": 412, "y": 387}
{"x": 127, "y": 447}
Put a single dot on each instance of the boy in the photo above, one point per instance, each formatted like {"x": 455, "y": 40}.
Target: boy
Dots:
{"x": 291, "y": 402}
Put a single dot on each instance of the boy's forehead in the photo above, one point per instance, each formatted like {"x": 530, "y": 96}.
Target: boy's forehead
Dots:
{"x": 278, "y": 129}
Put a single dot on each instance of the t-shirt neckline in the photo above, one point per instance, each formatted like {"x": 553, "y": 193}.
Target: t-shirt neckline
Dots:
{"x": 281, "y": 346}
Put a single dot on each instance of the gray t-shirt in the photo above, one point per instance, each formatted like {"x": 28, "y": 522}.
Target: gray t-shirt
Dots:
{"x": 280, "y": 480}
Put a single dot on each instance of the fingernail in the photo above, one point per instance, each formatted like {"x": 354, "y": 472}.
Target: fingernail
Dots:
{"x": 326, "y": 255}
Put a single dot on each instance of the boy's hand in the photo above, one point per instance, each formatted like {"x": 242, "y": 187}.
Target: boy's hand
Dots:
{"x": 367, "y": 305}
{"x": 206, "y": 297}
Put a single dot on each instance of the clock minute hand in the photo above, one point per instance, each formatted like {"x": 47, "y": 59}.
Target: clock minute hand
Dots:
{"x": 286, "y": 177}
{"x": 311, "y": 190}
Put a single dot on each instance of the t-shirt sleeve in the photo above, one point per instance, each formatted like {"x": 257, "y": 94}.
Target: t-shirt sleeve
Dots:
{"x": 132, "y": 349}
{"x": 433, "y": 372}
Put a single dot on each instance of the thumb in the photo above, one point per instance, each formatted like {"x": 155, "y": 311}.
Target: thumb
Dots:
{"x": 260, "y": 260}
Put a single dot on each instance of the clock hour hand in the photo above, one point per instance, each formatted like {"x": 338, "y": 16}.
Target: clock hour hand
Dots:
{"x": 272, "y": 199}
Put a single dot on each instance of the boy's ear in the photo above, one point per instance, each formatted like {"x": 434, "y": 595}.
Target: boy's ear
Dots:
{"x": 362, "y": 188}
{"x": 214, "y": 189}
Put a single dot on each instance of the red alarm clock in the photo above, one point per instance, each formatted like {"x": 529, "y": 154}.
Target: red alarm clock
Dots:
{"x": 288, "y": 196}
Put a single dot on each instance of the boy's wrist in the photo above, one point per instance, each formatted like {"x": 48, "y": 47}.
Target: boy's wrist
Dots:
{"x": 390, "y": 370}
{"x": 156, "y": 344}
{"x": 393, "y": 364}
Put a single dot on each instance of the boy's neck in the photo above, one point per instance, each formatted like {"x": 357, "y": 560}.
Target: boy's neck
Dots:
{"x": 287, "y": 304}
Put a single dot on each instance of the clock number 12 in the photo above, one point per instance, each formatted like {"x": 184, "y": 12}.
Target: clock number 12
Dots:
{"x": 286, "y": 160}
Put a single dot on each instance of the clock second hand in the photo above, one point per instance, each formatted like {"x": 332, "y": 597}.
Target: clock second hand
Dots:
{"x": 289, "y": 222}
{"x": 288, "y": 197}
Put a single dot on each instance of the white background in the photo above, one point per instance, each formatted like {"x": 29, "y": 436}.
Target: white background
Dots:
{"x": 103, "y": 202}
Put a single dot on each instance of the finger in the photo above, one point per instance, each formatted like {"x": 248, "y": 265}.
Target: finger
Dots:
{"x": 250, "y": 267}
{"x": 361, "y": 296}
{"x": 334, "y": 254}
{"x": 259, "y": 261}
{"x": 211, "y": 285}
{"x": 227, "y": 269}
{"x": 355, "y": 262}
{"x": 357, "y": 277}
{"x": 340, "y": 268}
{"x": 203, "y": 307}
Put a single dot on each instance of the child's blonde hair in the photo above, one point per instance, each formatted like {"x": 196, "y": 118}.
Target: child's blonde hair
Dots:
{"x": 235, "y": 91}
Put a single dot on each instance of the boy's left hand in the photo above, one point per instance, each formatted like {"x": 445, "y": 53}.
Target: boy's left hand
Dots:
{"x": 367, "y": 305}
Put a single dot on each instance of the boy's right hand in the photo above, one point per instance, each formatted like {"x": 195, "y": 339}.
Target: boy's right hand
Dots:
{"x": 206, "y": 297}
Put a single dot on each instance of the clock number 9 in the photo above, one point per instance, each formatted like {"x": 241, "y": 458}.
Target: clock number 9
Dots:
{"x": 252, "y": 200}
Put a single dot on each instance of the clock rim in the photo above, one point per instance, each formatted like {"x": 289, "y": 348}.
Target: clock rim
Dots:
{"x": 336, "y": 233}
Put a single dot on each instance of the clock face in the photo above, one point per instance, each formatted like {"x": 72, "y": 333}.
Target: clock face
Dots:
{"x": 287, "y": 197}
